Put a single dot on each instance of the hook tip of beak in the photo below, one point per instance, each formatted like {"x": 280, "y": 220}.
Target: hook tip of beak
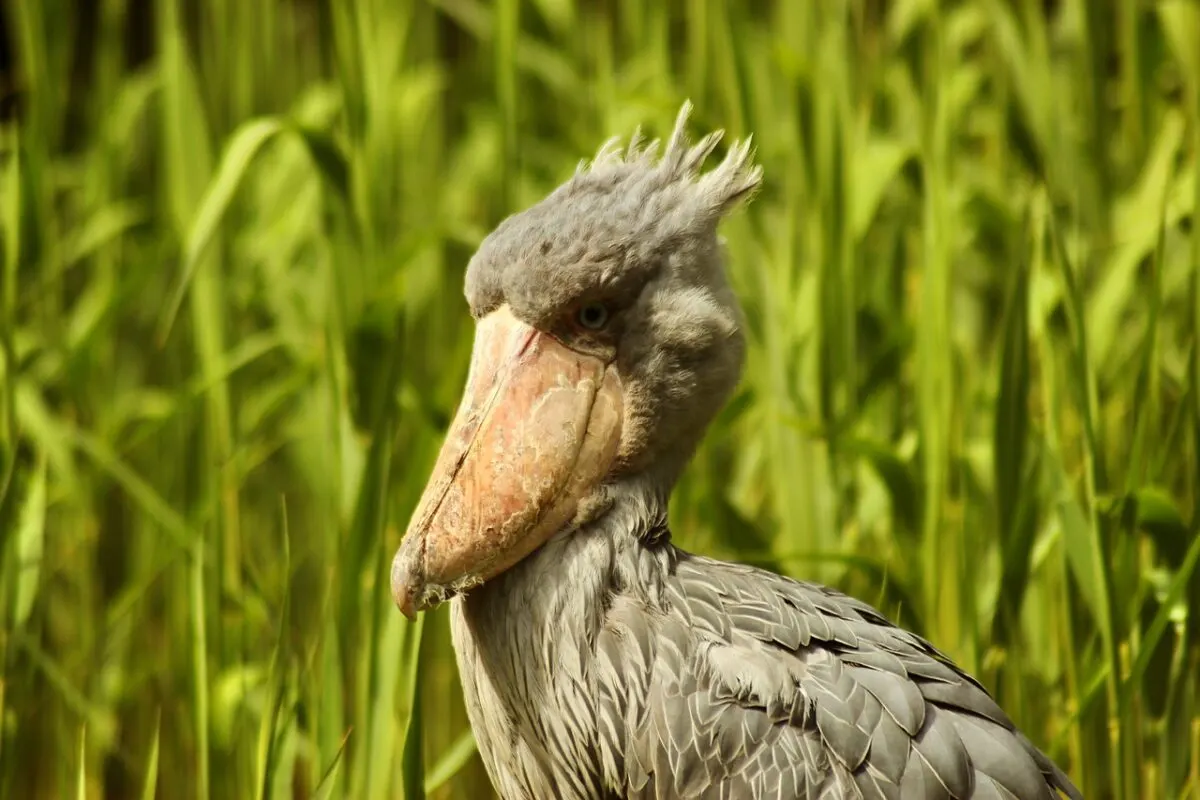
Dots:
{"x": 405, "y": 585}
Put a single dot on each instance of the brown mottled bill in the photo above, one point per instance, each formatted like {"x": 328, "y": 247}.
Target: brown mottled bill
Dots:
{"x": 539, "y": 425}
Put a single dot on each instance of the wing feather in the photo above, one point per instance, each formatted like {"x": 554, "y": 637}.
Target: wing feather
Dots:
{"x": 758, "y": 686}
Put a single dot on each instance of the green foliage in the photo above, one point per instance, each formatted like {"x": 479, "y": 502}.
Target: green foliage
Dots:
{"x": 232, "y": 333}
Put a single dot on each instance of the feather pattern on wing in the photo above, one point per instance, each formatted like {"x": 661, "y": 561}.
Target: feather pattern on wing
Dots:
{"x": 731, "y": 681}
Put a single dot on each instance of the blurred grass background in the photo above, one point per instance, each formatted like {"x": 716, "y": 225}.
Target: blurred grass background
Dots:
{"x": 232, "y": 333}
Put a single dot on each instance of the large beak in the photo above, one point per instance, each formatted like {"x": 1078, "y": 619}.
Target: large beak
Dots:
{"x": 538, "y": 427}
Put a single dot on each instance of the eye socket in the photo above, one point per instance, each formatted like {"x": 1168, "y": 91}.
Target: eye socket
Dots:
{"x": 592, "y": 316}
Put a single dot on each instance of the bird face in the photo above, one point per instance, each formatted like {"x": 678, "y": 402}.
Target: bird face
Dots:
{"x": 606, "y": 338}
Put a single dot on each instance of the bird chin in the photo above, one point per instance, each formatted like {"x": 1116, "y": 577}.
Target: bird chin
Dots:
{"x": 538, "y": 428}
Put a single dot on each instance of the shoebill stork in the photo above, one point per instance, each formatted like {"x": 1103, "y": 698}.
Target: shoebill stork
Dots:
{"x": 599, "y": 660}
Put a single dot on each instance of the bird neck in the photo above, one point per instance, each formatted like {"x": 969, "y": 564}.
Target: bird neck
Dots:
{"x": 624, "y": 548}
{"x": 549, "y": 607}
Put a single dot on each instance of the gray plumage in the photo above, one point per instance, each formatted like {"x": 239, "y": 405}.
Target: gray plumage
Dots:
{"x": 611, "y": 664}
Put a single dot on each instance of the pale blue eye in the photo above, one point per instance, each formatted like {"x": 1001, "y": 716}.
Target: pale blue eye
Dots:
{"x": 593, "y": 316}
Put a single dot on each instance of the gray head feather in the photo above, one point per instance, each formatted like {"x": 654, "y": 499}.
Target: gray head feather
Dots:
{"x": 638, "y": 233}
{"x": 611, "y": 226}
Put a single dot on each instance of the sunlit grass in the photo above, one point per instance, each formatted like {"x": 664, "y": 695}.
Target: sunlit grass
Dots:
{"x": 232, "y": 333}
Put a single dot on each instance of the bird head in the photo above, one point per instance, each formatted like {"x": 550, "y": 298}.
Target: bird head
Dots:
{"x": 606, "y": 339}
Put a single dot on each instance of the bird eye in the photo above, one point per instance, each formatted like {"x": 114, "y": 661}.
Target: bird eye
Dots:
{"x": 593, "y": 316}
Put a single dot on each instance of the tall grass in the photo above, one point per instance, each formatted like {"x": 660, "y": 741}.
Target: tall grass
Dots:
{"x": 232, "y": 334}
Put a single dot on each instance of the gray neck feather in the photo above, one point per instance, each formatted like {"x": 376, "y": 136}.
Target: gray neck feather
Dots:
{"x": 570, "y": 579}
{"x": 525, "y": 640}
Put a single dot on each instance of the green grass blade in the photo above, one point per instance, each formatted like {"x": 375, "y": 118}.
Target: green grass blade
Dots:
{"x": 150, "y": 779}
{"x": 1169, "y": 608}
{"x": 199, "y": 631}
{"x": 30, "y": 541}
{"x": 269, "y": 732}
{"x": 412, "y": 762}
{"x": 235, "y": 161}
{"x": 325, "y": 787}
{"x": 1014, "y": 486}
{"x": 81, "y": 775}
{"x": 452, "y": 760}
{"x": 143, "y": 493}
